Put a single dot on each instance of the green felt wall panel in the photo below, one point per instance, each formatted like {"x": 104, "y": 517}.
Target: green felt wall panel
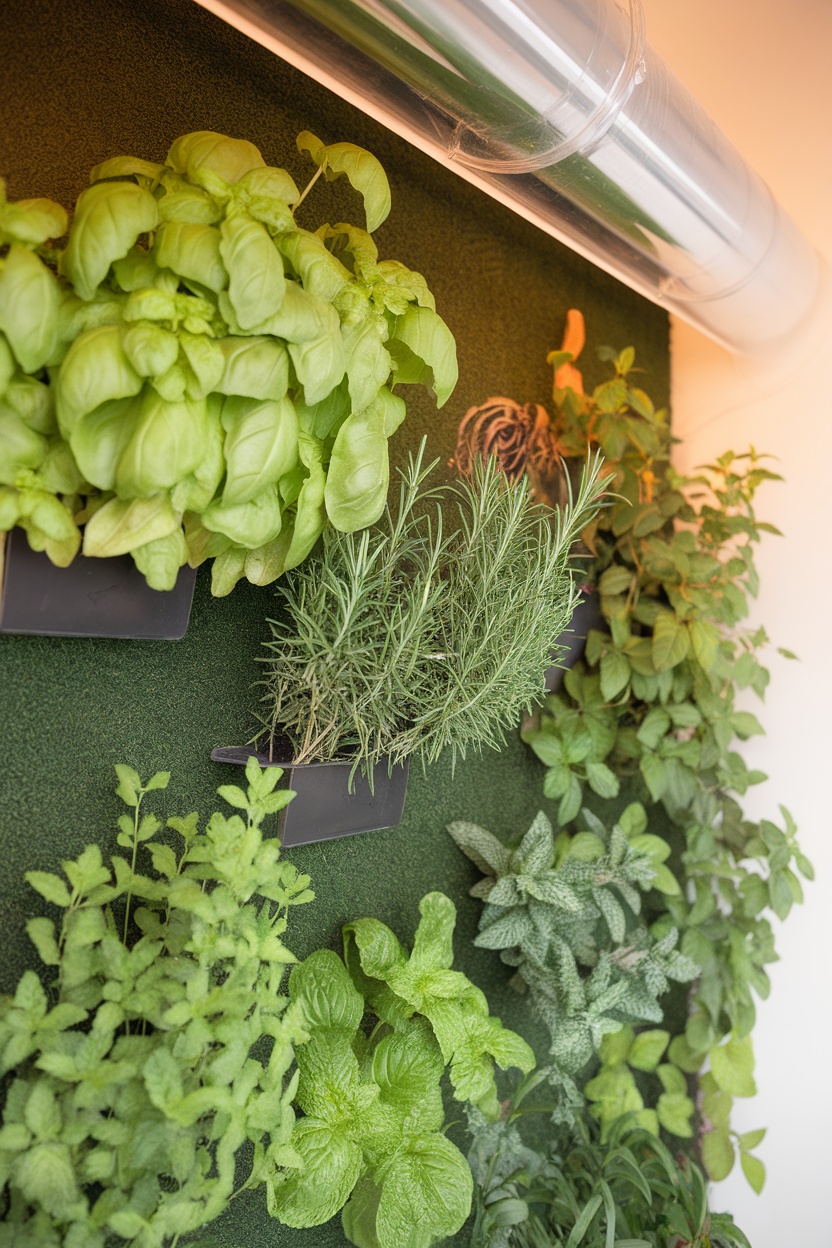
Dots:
{"x": 88, "y": 79}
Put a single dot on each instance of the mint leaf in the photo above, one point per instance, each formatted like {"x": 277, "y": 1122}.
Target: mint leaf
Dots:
{"x": 426, "y": 1194}
{"x": 332, "y": 1164}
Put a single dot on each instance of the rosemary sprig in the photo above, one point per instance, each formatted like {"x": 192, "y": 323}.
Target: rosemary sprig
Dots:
{"x": 429, "y": 631}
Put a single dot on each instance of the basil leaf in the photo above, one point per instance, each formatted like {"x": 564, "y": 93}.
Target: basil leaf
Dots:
{"x": 359, "y": 470}
{"x": 159, "y": 561}
{"x": 261, "y": 445}
{"x": 266, "y": 188}
{"x": 256, "y": 283}
{"x": 266, "y": 563}
{"x": 99, "y": 439}
{"x": 213, "y": 160}
{"x": 310, "y": 509}
{"x": 29, "y": 301}
{"x": 94, "y": 370}
{"x": 368, "y": 361}
{"x": 178, "y": 200}
{"x": 123, "y": 524}
{"x": 31, "y": 221}
{"x": 363, "y": 171}
{"x": 150, "y": 349}
{"x": 324, "y": 418}
{"x": 227, "y": 569}
{"x": 196, "y": 490}
{"x": 136, "y": 271}
{"x": 166, "y": 444}
{"x": 191, "y": 251}
{"x": 320, "y": 272}
{"x": 249, "y": 524}
{"x": 33, "y": 401}
{"x": 126, "y": 167}
{"x": 424, "y": 351}
{"x": 302, "y": 317}
{"x": 20, "y": 446}
{"x": 205, "y": 363}
{"x": 255, "y": 368}
{"x": 266, "y": 195}
{"x": 320, "y": 363}
{"x": 109, "y": 217}
{"x": 59, "y": 473}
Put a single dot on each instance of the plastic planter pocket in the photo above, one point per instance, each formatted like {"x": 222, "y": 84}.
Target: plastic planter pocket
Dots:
{"x": 90, "y": 598}
{"x": 587, "y": 616}
{"x": 325, "y": 807}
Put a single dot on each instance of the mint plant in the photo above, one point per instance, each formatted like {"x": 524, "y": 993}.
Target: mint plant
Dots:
{"x": 194, "y": 375}
{"x": 150, "y": 1063}
{"x": 399, "y": 986}
{"x": 371, "y": 1139}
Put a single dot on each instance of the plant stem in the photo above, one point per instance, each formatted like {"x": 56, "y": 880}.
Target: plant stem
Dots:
{"x": 132, "y": 867}
{"x": 308, "y": 187}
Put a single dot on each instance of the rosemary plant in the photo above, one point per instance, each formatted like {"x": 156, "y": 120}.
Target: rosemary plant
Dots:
{"x": 429, "y": 631}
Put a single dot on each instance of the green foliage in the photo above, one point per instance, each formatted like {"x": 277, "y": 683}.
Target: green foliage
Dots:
{"x": 614, "y": 1091}
{"x": 731, "y": 1074}
{"x": 153, "y": 1058}
{"x": 194, "y": 375}
{"x": 565, "y": 912}
{"x": 655, "y": 706}
{"x": 430, "y": 631}
{"x": 150, "y": 1069}
{"x": 371, "y": 1135}
{"x": 371, "y": 1139}
{"x": 627, "y": 1191}
{"x": 399, "y": 986}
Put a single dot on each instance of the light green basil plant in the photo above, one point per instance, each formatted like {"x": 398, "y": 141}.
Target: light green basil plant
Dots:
{"x": 195, "y": 376}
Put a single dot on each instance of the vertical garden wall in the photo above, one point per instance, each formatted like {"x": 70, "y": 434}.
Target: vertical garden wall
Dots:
{"x": 88, "y": 79}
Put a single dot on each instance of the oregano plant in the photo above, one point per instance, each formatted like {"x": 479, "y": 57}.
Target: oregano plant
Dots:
{"x": 149, "y": 1061}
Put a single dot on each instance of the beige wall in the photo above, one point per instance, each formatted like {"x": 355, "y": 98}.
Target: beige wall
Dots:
{"x": 762, "y": 71}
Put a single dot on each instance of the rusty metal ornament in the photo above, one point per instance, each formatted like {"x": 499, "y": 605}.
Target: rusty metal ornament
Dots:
{"x": 521, "y": 437}
{"x": 521, "y": 434}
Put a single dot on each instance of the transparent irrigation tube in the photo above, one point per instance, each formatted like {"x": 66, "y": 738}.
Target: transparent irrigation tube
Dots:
{"x": 562, "y": 111}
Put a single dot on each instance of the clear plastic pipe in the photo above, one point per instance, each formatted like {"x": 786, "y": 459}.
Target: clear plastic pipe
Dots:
{"x": 560, "y": 109}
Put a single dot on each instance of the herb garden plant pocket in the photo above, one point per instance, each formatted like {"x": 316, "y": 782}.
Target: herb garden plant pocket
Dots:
{"x": 330, "y": 799}
{"x": 194, "y": 376}
{"x": 90, "y": 598}
{"x": 430, "y": 631}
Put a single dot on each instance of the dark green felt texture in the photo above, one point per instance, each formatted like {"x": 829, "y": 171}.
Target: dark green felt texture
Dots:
{"x": 87, "y": 79}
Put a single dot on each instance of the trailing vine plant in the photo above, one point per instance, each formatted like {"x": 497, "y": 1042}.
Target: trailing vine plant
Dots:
{"x": 654, "y": 711}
